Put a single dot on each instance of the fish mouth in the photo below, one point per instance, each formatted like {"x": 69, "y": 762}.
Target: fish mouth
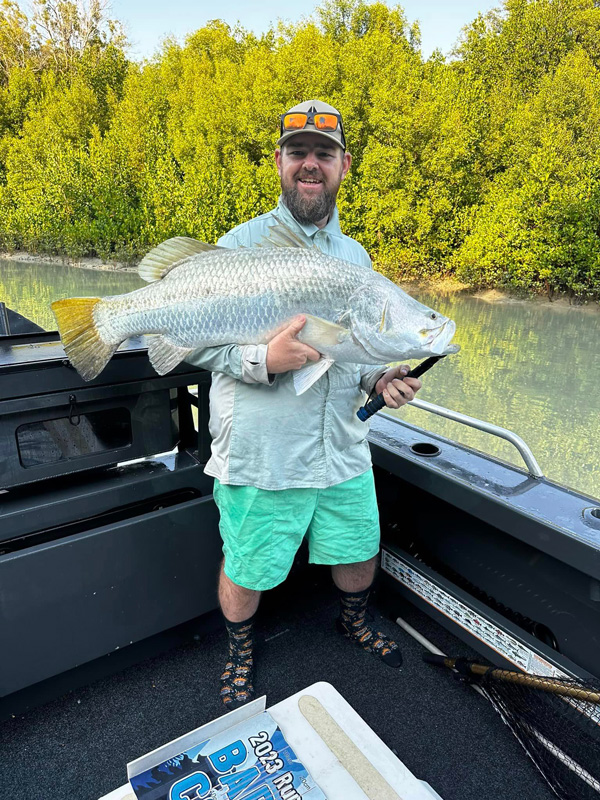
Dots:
{"x": 442, "y": 335}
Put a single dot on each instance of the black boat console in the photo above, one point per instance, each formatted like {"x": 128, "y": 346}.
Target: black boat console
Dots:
{"x": 108, "y": 530}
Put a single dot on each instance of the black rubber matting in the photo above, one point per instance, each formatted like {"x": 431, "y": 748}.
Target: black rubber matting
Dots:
{"x": 76, "y": 747}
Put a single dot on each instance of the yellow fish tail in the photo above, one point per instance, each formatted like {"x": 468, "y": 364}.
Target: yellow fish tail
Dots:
{"x": 85, "y": 349}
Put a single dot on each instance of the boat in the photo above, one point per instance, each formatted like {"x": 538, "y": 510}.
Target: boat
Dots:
{"x": 109, "y": 550}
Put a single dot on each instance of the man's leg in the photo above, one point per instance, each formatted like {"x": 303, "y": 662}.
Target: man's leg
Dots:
{"x": 354, "y": 583}
{"x": 345, "y": 521}
{"x": 354, "y": 577}
{"x": 261, "y": 532}
{"x": 238, "y": 605}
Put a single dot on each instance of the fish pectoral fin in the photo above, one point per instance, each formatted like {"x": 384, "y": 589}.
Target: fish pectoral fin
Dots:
{"x": 165, "y": 355}
{"x": 310, "y": 373}
{"x": 167, "y": 255}
{"x": 281, "y": 235}
{"x": 319, "y": 332}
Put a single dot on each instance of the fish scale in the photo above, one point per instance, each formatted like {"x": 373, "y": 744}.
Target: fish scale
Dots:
{"x": 253, "y": 296}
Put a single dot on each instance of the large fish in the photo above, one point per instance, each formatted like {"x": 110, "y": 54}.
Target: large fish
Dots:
{"x": 202, "y": 295}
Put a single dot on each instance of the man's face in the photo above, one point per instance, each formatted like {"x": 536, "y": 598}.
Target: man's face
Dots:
{"x": 311, "y": 169}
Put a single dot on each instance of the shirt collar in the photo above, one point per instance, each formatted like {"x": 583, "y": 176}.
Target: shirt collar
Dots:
{"x": 332, "y": 227}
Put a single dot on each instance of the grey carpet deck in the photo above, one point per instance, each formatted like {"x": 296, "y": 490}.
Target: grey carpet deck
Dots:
{"x": 76, "y": 747}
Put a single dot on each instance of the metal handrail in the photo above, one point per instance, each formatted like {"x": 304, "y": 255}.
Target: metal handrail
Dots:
{"x": 487, "y": 427}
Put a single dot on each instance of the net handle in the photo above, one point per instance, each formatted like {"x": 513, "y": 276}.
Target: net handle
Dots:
{"x": 508, "y": 676}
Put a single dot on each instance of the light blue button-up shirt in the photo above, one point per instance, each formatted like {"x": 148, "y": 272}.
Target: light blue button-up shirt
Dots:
{"x": 265, "y": 435}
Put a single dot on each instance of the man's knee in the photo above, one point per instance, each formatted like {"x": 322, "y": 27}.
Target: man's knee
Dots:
{"x": 355, "y": 577}
{"x": 238, "y": 603}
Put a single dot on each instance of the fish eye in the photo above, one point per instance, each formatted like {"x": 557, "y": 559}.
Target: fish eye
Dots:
{"x": 433, "y": 315}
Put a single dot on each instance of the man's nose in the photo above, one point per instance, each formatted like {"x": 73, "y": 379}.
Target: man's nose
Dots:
{"x": 311, "y": 161}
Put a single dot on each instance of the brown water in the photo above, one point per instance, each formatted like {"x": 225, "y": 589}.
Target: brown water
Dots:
{"x": 531, "y": 367}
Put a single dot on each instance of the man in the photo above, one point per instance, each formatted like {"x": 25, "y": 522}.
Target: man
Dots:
{"x": 288, "y": 465}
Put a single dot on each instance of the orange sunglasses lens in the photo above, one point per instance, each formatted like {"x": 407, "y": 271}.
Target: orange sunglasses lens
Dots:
{"x": 292, "y": 122}
{"x": 326, "y": 122}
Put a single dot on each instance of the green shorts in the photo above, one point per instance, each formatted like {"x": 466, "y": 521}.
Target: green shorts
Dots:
{"x": 262, "y": 529}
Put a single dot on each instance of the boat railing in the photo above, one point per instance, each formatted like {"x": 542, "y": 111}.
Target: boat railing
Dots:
{"x": 487, "y": 427}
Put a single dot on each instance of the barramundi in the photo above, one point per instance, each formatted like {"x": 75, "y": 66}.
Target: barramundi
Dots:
{"x": 202, "y": 295}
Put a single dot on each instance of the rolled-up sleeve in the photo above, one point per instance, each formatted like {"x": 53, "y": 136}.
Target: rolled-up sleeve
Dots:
{"x": 369, "y": 375}
{"x": 247, "y": 363}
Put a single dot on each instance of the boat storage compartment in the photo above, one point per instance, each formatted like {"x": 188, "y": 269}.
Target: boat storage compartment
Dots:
{"x": 108, "y": 529}
{"x": 52, "y": 423}
{"x": 47, "y": 436}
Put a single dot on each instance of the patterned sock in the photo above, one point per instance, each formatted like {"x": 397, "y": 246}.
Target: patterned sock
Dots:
{"x": 352, "y": 624}
{"x": 237, "y": 680}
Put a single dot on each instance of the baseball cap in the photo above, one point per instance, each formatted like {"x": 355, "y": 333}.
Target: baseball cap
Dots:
{"x": 313, "y": 116}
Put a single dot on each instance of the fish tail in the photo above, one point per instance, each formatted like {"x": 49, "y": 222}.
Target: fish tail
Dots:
{"x": 84, "y": 347}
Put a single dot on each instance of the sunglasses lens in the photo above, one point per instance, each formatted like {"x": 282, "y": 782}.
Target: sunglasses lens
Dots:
{"x": 293, "y": 122}
{"x": 326, "y": 122}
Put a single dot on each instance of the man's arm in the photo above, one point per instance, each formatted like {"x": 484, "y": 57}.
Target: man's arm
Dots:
{"x": 258, "y": 363}
{"x": 247, "y": 363}
{"x": 369, "y": 375}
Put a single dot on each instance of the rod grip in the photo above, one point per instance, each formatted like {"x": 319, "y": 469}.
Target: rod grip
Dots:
{"x": 377, "y": 403}
{"x": 370, "y": 408}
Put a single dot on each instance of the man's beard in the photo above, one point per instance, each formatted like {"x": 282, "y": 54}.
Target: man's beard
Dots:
{"x": 308, "y": 210}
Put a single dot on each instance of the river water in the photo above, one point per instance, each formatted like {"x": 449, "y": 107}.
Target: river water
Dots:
{"x": 528, "y": 366}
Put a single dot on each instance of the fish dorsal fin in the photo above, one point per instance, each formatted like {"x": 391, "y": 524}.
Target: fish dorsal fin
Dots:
{"x": 167, "y": 255}
{"x": 281, "y": 235}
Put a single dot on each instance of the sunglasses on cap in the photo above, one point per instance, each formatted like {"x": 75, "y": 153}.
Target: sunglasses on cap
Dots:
{"x": 326, "y": 121}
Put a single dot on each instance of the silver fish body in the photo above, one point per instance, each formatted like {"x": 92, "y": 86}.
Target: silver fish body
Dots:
{"x": 242, "y": 296}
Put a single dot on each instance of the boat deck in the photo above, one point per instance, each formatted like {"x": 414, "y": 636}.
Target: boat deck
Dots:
{"x": 77, "y": 747}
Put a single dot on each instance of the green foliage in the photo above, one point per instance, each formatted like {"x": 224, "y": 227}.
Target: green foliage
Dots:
{"x": 485, "y": 166}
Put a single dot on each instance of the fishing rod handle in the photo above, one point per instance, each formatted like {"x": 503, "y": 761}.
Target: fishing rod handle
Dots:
{"x": 375, "y": 405}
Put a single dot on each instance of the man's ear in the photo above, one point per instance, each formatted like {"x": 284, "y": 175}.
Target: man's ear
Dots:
{"x": 278, "y": 160}
{"x": 346, "y": 162}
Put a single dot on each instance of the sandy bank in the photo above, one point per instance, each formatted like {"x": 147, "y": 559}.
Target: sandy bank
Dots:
{"x": 83, "y": 263}
{"x": 561, "y": 302}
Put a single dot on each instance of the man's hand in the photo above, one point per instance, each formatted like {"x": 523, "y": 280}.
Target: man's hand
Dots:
{"x": 285, "y": 352}
{"x": 394, "y": 382}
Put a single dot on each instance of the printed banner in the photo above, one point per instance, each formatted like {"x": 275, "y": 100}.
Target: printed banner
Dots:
{"x": 249, "y": 761}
